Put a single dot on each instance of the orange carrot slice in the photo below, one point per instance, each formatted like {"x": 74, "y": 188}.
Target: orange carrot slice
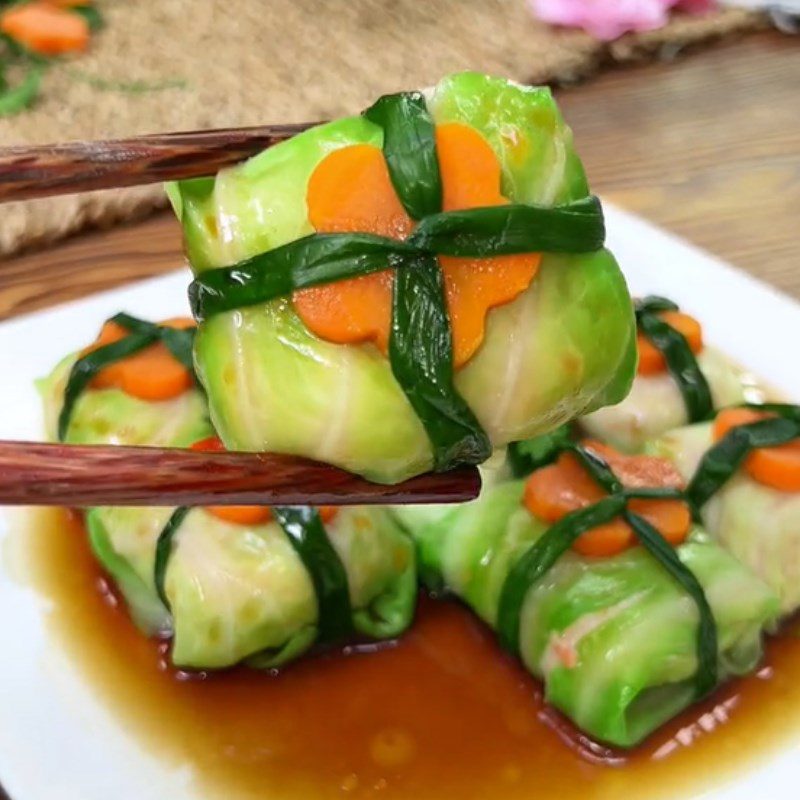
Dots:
{"x": 45, "y": 29}
{"x": 151, "y": 374}
{"x": 327, "y": 513}
{"x": 606, "y": 540}
{"x": 651, "y": 360}
{"x": 554, "y": 491}
{"x": 350, "y": 191}
{"x": 238, "y": 515}
{"x": 778, "y": 467}
{"x": 247, "y": 515}
{"x": 241, "y": 515}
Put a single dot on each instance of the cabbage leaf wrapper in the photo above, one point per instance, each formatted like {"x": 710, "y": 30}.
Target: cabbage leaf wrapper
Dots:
{"x": 234, "y": 592}
{"x": 242, "y": 592}
{"x": 758, "y": 524}
{"x": 111, "y": 416}
{"x": 565, "y": 346}
{"x": 612, "y": 639}
{"x": 687, "y": 391}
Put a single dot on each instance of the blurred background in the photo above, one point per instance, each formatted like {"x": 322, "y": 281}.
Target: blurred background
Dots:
{"x": 685, "y": 111}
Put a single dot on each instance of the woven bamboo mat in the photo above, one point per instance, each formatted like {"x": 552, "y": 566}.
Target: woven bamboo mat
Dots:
{"x": 164, "y": 65}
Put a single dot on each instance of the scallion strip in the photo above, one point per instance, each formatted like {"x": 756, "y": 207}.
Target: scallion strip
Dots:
{"x": 653, "y": 303}
{"x": 576, "y": 227}
{"x": 179, "y": 341}
{"x": 311, "y": 261}
{"x": 598, "y": 469}
{"x": 421, "y": 356}
{"x": 164, "y": 551}
{"x": 89, "y": 365}
{"x": 409, "y": 147}
{"x": 664, "y": 553}
{"x": 721, "y": 461}
{"x": 541, "y": 557}
{"x": 654, "y": 493}
{"x": 528, "y": 455}
{"x": 681, "y": 364}
{"x": 306, "y": 533}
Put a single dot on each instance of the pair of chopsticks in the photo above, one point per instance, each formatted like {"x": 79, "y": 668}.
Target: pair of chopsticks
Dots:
{"x": 33, "y": 473}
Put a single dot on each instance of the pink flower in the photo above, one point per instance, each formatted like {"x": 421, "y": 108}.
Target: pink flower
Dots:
{"x": 609, "y": 19}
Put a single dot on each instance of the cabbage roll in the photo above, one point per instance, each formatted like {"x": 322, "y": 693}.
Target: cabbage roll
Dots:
{"x": 110, "y": 415}
{"x": 757, "y": 522}
{"x": 656, "y": 402}
{"x": 613, "y": 639}
{"x": 242, "y": 592}
{"x": 509, "y": 340}
{"x": 228, "y": 586}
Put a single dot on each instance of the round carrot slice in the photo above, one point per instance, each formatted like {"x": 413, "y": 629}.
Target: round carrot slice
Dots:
{"x": 351, "y": 191}
{"x": 554, "y": 491}
{"x": 327, "y": 513}
{"x": 671, "y": 518}
{"x": 44, "y": 28}
{"x": 777, "y": 467}
{"x": 651, "y": 361}
{"x": 151, "y": 374}
{"x": 606, "y": 540}
{"x": 247, "y": 515}
{"x": 239, "y": 515}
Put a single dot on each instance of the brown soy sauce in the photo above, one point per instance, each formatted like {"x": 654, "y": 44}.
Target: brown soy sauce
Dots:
{"x": 440, "y": 713}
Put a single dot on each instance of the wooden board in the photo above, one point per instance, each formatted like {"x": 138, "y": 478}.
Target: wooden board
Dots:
{"x": 707, "y": 146}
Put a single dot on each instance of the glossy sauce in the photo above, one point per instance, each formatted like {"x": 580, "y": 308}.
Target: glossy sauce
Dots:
{"x": 442, "y": 713}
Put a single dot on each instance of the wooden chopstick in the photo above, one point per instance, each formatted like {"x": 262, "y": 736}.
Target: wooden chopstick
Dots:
{"x": 27, "y": 172}
{"x": 33, "y": 473}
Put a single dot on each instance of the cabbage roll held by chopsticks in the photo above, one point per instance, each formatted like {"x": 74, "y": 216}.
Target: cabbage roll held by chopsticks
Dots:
{"x": 409, "y": 288}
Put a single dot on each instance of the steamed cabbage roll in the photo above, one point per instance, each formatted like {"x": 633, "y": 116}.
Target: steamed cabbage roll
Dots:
{"x": 228, "y": 583}
{"x": 679, "y": 380}
{"x": 612, "y": 634}
{"x": 107, "y": 395}
{"x": 754, "y": 513}
{"x": 502, "y": 315}
{"x": 238, "y": 588}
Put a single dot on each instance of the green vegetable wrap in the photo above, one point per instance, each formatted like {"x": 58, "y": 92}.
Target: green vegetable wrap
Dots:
{"x": 654, "y": 404}
{"x": 110, "y": 416}
{"x": 613, "y": 639}
{"x": 225, "y": 591}
{"x": 691, "y": 386}
{"x": 241, "y": 592}
{"x": 758, "y": 524}
{"x": 123, "y": 539}
{"x": 563, "y": 347}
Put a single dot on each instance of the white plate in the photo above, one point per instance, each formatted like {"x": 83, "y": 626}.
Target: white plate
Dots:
{"x": 57, "y": 740}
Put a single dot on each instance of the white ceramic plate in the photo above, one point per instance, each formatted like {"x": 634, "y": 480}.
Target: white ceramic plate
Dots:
{"x": 57, "y": 740}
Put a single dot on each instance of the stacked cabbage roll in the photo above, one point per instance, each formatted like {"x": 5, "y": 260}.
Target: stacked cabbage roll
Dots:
{"x": 562, "y": 345}
{"x": 613, "y": 639}
{"x": 657, "y": 401}
{"x": 228, "y": 590}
